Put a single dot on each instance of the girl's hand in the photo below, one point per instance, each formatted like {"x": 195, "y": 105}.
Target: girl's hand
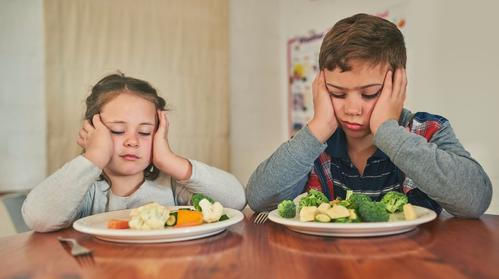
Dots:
{"x": 97, "y": 142}
{"x": 162, "y": 155}
{"x": 324, "y": 122}
{"x": 391, "y": 101}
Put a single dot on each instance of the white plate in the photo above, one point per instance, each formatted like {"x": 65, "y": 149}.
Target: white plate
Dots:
{"x": 355, "y": 229}
{"x": 96, "y": 225}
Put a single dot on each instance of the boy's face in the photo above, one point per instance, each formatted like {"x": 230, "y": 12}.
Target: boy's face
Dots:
{"x": 354, "y": 94}
{"x": 131, "y": 121}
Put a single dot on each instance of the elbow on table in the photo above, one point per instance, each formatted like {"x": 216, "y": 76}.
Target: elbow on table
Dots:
{"x": 477, "y": 204}
{"x": 39, "y": 223}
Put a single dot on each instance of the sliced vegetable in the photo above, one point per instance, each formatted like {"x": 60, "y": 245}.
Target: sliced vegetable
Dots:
{"x": 224, "y": 217}
{"x": 323, "y": 218}
{"x": 188, "y": 218}
{"x": 409, "y": 212}
{"x": 117, "y": 224}
{"x": 172, "y": 220}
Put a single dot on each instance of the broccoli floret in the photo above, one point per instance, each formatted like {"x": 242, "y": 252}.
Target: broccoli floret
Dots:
{"x": 373, "y": 212}
{"x": 356, "y": 199}
{"x": 394, "y": 201}
{"x": 287, "y": 209}
{"x": 313, "y": 198}
{"x": 196, "y": 198}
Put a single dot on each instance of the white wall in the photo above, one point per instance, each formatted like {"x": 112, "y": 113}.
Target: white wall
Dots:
{"x": 452, "y": 64}
{"x": 22, "y": 105}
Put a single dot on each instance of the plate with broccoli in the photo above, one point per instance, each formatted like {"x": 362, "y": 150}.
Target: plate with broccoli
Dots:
{"x": 355, "y": 216}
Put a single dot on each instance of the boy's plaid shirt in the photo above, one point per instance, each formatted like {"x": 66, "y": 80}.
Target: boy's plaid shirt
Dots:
{"x": 423, "y": 124}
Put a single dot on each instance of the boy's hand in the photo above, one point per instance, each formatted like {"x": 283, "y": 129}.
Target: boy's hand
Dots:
{"x": 324, "y": 122}
{"x": 162, "y": 155}
{"x": 391, "y": 101}
{"x": 97, "y": 142}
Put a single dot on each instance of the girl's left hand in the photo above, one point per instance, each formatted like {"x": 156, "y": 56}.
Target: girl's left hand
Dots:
{"x": 162, "y": 155}
{"x": 391, "y": 100}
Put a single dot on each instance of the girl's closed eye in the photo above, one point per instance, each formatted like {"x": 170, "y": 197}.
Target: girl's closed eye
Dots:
{"x": 116, "y": 132}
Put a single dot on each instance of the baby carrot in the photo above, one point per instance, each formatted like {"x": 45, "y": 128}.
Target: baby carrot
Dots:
{"x": 189, "y": 218}
{"x": 117, "y": 224}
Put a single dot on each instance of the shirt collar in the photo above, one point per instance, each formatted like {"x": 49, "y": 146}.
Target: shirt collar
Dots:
{"x": 337, "y": 147}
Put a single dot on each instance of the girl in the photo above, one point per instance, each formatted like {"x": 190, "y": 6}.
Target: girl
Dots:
{"x": 125, "y": 142}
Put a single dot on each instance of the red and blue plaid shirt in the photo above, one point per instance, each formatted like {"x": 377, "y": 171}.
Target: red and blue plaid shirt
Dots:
{"x": 334, "y": 173}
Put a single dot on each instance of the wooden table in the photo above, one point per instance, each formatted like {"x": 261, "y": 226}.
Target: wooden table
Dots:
{"x": 445, "y": 248}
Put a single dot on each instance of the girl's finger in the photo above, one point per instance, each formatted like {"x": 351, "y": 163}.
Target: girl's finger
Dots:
{"x": 161, "y": 119}
{"x": 87, "y": 126}
{"x": 83, "y": 133}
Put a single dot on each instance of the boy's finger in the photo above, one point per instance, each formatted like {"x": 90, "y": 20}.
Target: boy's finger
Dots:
{"x": 397, "y": 83}
{"x": 387, "y": 85}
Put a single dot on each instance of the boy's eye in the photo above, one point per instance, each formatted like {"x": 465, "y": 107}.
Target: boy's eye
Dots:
{"x": 337, "y": 95}
{"x": 371, "y": 96}
{"x": 117, "y": 132}
{"x": 144, "y": 133}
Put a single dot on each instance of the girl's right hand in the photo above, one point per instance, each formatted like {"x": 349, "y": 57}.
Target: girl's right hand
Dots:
{"x": 324, "y": 122}
{"x": 97, "y": 141}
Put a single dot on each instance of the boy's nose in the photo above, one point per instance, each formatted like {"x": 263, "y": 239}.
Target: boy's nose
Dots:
{"x": 352, "y": 108}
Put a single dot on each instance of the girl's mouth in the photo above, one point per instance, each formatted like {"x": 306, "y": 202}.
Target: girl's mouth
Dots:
{"x": 129, "y": 157}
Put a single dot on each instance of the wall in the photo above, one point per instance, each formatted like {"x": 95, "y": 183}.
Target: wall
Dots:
{"x": 22, "y": 105}
{"x": 452, "y": 64}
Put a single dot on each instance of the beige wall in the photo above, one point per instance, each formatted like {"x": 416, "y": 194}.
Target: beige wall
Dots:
{"x": 22, "y": 106}
{"x": 181, "y": 47}
{"x": 452, "y": 67}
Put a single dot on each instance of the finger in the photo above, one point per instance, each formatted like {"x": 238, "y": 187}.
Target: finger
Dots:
{"x": 83, "y": 134}
{"x": 397, "y": 83}
{"x": 81, "y": 142}
{"x": 87, "y": 126}
{"x": 96, "y": 121}
{"x": 322, "y": 81}
{"x": 161, "y": 119}
{"x": 404, "y": 84}
{"x": 387, "y": 85}
{"x": 167, "y": 122}
{"x": 315, "y": 84}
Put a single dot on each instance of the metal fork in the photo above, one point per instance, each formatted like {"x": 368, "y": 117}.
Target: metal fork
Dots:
{"x": 261, "y": 217}
{"x": 82, "y": 254}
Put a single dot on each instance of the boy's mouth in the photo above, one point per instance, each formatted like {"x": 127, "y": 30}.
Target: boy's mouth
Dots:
{"x": 352, "y": 126}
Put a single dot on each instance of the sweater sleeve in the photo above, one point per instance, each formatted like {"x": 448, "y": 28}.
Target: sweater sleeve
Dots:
{"x": 285, "y": 173}
{"x": 59, "y": 200}
{"x": 212, "y": 182}
{"x": 440, "y": 167}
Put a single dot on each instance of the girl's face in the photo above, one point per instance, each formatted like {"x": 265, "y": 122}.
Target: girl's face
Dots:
{"x": 131, "y": 121}
{"x": 354, "y": 94}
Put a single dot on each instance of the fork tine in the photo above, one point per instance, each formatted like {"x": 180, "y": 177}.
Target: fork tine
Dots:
{"x": 261, "y": 217}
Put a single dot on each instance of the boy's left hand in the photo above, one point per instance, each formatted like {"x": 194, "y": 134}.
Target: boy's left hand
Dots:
{"x": 391, "y": 100}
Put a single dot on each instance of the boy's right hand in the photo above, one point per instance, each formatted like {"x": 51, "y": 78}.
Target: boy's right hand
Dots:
{"x": 97, "y": 141}
{"x": 324, "y": 122}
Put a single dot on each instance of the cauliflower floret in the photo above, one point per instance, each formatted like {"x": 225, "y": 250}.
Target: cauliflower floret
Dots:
{"x": 151, "y": 216}
{"x": 211, "y": 211}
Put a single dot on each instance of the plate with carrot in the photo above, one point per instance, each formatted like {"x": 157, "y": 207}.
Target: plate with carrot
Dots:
{"x": 155, "y": 223}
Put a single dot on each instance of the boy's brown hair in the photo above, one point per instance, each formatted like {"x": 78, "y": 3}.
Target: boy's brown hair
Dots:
{"x": 364, "y": 37}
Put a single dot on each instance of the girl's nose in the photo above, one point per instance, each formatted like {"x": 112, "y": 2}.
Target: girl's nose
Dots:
{"x": 131, "y": 141}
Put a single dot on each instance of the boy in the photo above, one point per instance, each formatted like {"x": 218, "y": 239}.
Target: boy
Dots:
{"x": 362, "y": 139}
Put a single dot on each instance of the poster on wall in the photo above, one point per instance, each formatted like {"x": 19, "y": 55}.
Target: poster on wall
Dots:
{"x": 303, "y": 65}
